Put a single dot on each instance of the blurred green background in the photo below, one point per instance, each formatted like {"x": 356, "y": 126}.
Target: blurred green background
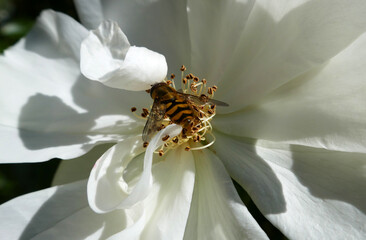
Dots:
{"x": 16, "y": 19}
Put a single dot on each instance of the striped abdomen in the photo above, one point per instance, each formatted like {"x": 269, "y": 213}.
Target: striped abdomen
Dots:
{"x": 179, "y": 111}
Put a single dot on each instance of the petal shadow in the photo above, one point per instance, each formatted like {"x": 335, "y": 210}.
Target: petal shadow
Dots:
{"x": 251, "y": 172}
{"x": 65, "y": 214}
{"x": 332, "y": 175}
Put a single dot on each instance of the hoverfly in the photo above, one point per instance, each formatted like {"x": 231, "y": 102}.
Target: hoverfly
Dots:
{"x": 180, "y": 108}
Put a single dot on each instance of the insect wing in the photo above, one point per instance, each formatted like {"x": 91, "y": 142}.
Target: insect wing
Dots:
{"x": 153, "y": 123}
{"x": 202, "y": 100}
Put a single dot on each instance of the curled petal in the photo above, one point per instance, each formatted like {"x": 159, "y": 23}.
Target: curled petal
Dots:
{"x": 107, "y": 188}
{"x": 145, "y": 22}
{"x": 107, "y": 57}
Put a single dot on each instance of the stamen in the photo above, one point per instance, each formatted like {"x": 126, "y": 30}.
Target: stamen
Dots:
{"x": 210, "y": 91}
{"x": 146, "y": 111}
{"x": 133, "y": 110}
{"x": 193, "y": 87}
{"x": 165, "y": 138}
{"x": 207, "y": 145}
{"x": 161, "y": 152}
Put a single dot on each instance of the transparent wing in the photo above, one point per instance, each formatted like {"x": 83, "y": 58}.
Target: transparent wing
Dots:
{"x": 154, "y": 121}
{"x": 202, "y": 100}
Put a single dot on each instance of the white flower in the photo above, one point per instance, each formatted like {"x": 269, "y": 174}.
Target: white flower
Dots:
{"x": 293, "y": 136}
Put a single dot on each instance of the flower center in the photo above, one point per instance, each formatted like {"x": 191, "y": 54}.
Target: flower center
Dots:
{"x": 192, "y": 107}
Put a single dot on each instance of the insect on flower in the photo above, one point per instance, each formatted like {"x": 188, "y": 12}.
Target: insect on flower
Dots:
{"x": 192, "y": 112}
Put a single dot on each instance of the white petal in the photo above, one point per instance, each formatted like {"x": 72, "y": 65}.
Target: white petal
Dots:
{"x": 158, "y": 25}
{"x": 323, "y": 108}
{"x": 106, "y": 56}
{"x": 217, "y": 211}
{"x": 213, "y": 42}
{"x": 317, "y": 194}
{"x": 78, "y": 168}
{"x": 165, "y": 210}
{"x": 168, "y": 204}
{"x": 107, "y": 188}
{"x": 89, "y": 12}
{"x": 279, "y": 43}
{"x": 63, "y": 212}
{"x": 103, "y": 50}
{"x": 59, "y": 213}
{"x": 48, "y": 108}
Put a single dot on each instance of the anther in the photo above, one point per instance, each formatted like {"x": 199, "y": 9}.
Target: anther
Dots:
{"x": 161, "y": 152}
{"x": 210, "y": 111}
{"x": 193, "y": 87}
{"x": 183, "y": 68}
{"x": 210, "y": 91}
{"x": 204, "y": 81}
{"x": 213, "y": 106}
{"x": 175, "y": 140}
{"x": 172, "y": 76}
{"x": 145, "y": 110}
{"x": 165, "y": 138}
{"x": 214, "y": 87}
{"x": 168, "y": 82}
{"x": 196, "y": 79}
{"x": 185, "y": 80}
{"x": 133, "y": 109}
{"x": 187, "y": 148}
{"x": 145, "y": 144}
{"x": 143, "y": 115}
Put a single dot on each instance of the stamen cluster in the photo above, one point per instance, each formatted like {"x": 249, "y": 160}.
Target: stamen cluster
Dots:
{"x": 196, "y": 132}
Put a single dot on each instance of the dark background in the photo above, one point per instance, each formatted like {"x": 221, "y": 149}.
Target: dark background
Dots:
{"x": 16, "y": 19}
